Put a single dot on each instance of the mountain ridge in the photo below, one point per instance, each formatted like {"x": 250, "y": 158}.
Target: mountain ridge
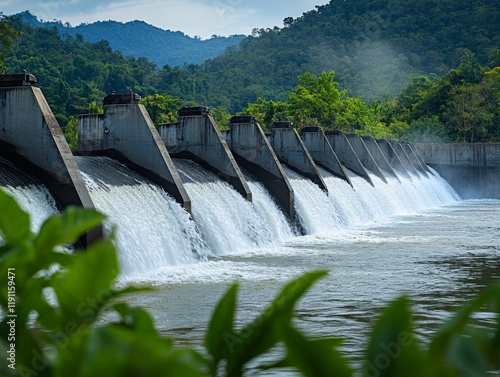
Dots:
{"x": 140, "y": 39}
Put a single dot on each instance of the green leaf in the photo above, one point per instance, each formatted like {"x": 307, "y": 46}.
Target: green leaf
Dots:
{"x": 265, "y": 331}
{"x": 14, "y": 222}
{"x": 315, "y": 358}
{"x": 66, "y": 227}
{"x": 441, "y": 341}
{"x": 393, "y": 350}
{"x": 84, "y": 287}
{"x": 221, "y": 327}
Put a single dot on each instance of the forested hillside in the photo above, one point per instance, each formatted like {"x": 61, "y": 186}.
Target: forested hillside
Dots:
{"x": 374, "y": 46}
{"x": 331, "y": 67}
{"x": 140, "y": 39}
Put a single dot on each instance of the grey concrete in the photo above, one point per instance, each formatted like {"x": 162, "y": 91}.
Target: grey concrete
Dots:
{"x": 400, "y": 151}
{"x": 420, "y": 159}
{"x": 392, "y": 157}
{"x": 126, "y": 132}
{"x": 197, "y": 137}
{"x": 413, "y": 158}
{"x": 291, "y": 151}
{"x": 346, "y": 154}
{"x": 322, "y": 152}
{"x": 473, "y": 170}
{"x": 253, "y": 152}
{"x": 31, "y": 137}
{"x": 378, "y": 156}
{"x": 364, "y": 155}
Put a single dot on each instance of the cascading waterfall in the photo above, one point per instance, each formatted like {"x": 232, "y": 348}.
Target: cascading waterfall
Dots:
{"x": 227, "y": 221}
{"x": 153, "y": 231}
{"x": 154, "y": 234}
{"x": 362, "y": 203}
{"x": 31, "y": 194}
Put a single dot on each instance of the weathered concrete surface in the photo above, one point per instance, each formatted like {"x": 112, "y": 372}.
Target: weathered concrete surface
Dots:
{"x": 322, "y": 152}
{"x": 400, "y": 151}
{"x": 32, "y": 138}
{"x": 253, "y": 152}
{"x": 420, "y": 159}
{"x": 126, "y": 132}
{"x": 346, "y": 154}
{"x": 364, "y": 155}
{"x": 413, "y": 158}
{"x": 198, "y": 137}
{"x": 378, "y": 156}
{"x": 392, "y": 157}
{"x": 291, "y": 151}
{"x": 473, "y": 170}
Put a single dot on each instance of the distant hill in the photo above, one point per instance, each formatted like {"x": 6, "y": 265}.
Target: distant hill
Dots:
{"x": 139, "y": 39}
{"x": 374, "y": 46}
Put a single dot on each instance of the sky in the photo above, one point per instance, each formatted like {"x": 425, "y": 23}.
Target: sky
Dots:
{"x": 202, "y": 18}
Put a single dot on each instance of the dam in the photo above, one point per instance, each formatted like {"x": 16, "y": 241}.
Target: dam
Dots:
{"x": 195, "y": 209}
{"x": 287, "y": 183}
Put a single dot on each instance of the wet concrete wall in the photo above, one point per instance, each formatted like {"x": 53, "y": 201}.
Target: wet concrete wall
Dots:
{"x": 31, "y": 137}
{"x": 473, "y": 170}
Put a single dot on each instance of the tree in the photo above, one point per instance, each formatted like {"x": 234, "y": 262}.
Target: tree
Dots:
{"x": 7, "y": 34}
{"x": 466, "y": 113}
{"x": 162, "y": 108}
{"x": 316, "y": 100}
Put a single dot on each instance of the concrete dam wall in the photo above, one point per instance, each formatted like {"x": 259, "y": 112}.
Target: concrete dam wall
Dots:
{"x": 126, "y": 133}
{"x": 473, "y": 170}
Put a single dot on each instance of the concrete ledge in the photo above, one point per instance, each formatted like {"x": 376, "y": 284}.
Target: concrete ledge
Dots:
{"x": 33, "y": 139}
{"x": 364, "y": 155}
{"x": 473, "y": 170}
{"x": 291, "y": 151}
{"x": 126, "y": 132}
{"x": 197, "y": 137}
{"x": 322, "y": 152}
{"x": 253, "y": 152}
{"x": 392, "y": 157}
{"x": 378, "y": 156}
{"x": 346, "y": 153}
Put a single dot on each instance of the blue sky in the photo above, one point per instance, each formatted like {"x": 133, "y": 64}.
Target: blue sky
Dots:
{"x": 193, "y": 17}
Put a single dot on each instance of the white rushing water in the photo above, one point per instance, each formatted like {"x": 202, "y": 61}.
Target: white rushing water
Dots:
{"x": 228, "y": 223}
{"x": 345, "y": 205}
{"x": 153, "y": 231}
{"x": 30, "y": 194}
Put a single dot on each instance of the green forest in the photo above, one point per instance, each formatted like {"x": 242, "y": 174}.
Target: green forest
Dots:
{"x": 414, "y": 70}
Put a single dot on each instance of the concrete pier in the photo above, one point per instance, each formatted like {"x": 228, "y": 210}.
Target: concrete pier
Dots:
{"x": 198, "y": 138}
{"x": 400, "y": 151}
{"x": 126, "y": 132}
{"x": 378, "y": 156}
{"x": 392, "y": 157}
{"x": 291, "y": 151}
{"x": 31, "y": 138}
{"x": 420, "y": 159}
{"x": 473, "y": 170}
{"x": 364, "y": 155}
{"x": 252, "y": 151}
{"x": 322, "y": 152}
{"x": 346, "y": 154}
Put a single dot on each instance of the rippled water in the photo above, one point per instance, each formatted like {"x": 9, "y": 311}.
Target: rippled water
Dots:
{"x": 440, "y": 258}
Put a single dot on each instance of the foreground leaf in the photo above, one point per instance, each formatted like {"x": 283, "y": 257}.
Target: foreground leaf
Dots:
{"x": 265, "y": 331}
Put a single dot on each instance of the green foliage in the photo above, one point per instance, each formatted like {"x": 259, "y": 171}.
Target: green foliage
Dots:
{"x": 59, "y": 297}
{"x": 7, "y": 34}
{"x": 162, "y": 108}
